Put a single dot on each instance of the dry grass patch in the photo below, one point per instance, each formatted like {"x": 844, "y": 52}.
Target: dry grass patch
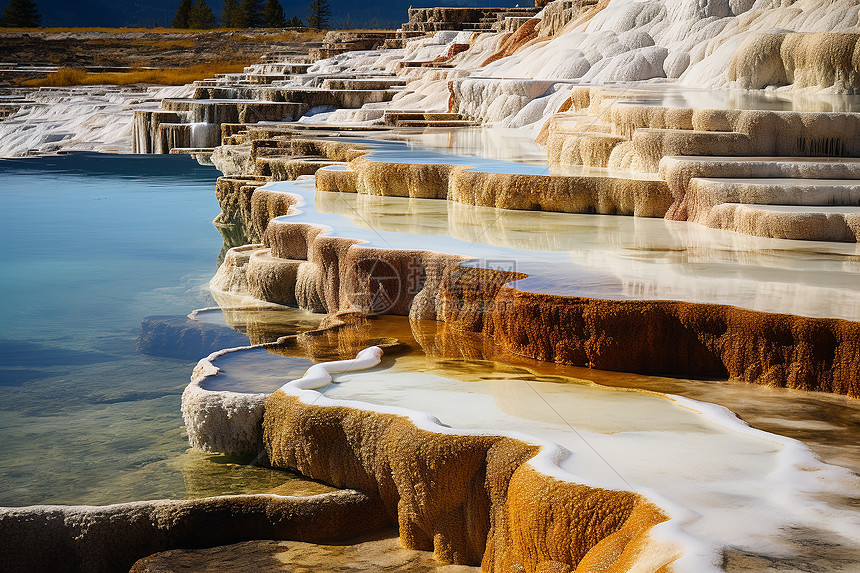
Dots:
{"x": 172, "y": 44}
{"x": 163, "y": 76}
{"x": 286, "y": 36}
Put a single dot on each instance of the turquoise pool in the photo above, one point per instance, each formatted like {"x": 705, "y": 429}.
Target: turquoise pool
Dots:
{"x": 92, "y": 244}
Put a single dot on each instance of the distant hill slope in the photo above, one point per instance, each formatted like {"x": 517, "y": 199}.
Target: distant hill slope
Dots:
{"x": 145, "y": 13}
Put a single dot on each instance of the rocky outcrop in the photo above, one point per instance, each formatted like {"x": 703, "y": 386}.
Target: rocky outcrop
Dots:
{"x": 462, "y": 18}
{"x": 340, "y": 41}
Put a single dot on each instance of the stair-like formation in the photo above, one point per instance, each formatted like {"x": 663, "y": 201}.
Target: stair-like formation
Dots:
{"x": 339, "y": 41}
{"x": 781, "y": 174}
{"x": 259, "y": 94}
{"x": 781, "y": 197}
{"x": 407, "y": 118}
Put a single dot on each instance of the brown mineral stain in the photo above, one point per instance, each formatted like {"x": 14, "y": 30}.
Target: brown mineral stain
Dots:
{"x": 471, "y": 499}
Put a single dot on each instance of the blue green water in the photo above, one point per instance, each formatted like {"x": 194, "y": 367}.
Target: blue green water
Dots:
{"x": 92, "y": 244}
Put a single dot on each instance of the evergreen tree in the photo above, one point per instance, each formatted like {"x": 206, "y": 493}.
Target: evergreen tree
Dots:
{"x": 295, "y": 22}
{"x": 231, "y": 16}
{"x": 320, "y": 13}
{"x": 252, "y": 11}
{"x": 201, "y": 16}
{"x": 274, "y": 14}
{"x": 22, "y": 14}
{"x": 182, "y": 14}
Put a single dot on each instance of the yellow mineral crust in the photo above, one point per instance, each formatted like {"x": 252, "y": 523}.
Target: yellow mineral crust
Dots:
{"x": 571, "y": 194}
{"x": 627, "y": 118}
{"x": 567, "y": 194}
{"x": 271, "y": 278}
{"x": 424, "y": 180}
{"x": 755, "y": 133}
{"x": 720, "y": 203}
{"x": 654, "y": 132}
{"x": 814, "y": 60}
{"x": 706, "y": 339}
{"x": 336, "y": 180}
{"x": 265, "y": 206}
{"x": 290, "y": 168}
{"x": 593, "y": 148}
{"x": 335, "y": 273}
{"x": 470, "y": 498}
{"x": 333, "y": 150}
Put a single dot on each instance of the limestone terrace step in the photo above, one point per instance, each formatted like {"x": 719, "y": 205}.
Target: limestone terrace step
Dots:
{"x": 810, "y": 223}
{"x": 785, "y": 191}
{"x": 439, "y": 123}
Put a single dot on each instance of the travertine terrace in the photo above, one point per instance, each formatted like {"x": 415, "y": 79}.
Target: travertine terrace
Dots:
{"x": 666, "y": 189}
{"x": 613, "y": 93}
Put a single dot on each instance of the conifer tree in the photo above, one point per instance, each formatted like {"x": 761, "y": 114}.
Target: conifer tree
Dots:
{"x": 201, "y": 16}
{"x": 320, "y": 13}
{"x": 22, "y": 14}
{"x": 182, "y": 14}
{"x": 252, "y": 11}
{"x": 231, "y": 15}
{"x": 274, "y": 14}
{"x": 295, "y": 22}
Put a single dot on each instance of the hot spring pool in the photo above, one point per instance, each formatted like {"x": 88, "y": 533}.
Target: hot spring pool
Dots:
{"x": 92, "y": 244}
